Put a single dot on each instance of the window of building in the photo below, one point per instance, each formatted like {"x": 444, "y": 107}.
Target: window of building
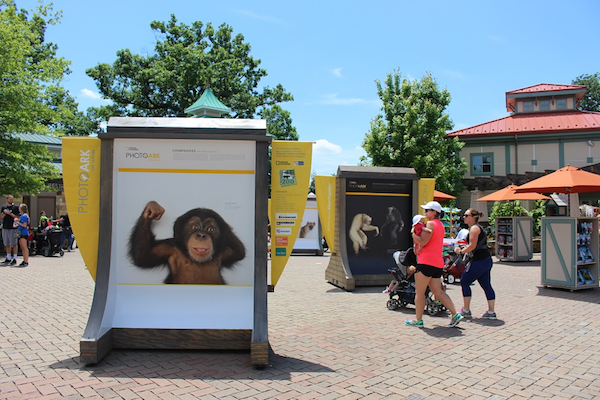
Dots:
{"x": 561, "y": 104}
{"x": 545, "y": 105}
{"x": 482, "y": 164}
{"x": 528, "y": 106}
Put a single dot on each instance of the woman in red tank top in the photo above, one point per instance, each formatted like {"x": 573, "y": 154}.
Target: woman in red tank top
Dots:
{"x": 430, "y": 264}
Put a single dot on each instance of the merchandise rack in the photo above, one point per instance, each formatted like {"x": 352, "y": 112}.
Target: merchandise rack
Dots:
{"x": 570, "y": 252}
{"x": 514, "y": 238}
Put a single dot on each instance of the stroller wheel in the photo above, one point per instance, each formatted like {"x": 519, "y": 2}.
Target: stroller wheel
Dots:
{"x": 62, "y": 252}
{"x": 46, "y": 251}
{"x": 392, "y": 304}
{"x": 432, "y": 307}
{"x": 451, "y": 279}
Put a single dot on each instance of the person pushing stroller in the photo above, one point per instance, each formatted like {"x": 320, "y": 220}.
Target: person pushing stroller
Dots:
{"x": 418, "y": 224}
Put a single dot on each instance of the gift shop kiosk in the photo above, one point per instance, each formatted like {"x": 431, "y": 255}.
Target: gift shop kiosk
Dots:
{"x": 570, "y": 252}
{"x": 373, "y": 217}
{"x": 514, "y": 238}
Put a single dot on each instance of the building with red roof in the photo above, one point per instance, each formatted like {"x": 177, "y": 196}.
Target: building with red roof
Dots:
{"x": 544, "y": 132}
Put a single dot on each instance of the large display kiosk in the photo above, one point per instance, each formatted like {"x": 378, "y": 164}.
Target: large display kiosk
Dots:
{"x": 373, "y": 220}
{"x": 182, "y": 254}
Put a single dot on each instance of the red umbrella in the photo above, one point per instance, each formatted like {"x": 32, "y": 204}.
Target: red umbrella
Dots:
{"x": 508, "y": 193}
{"x": 565, "y": 180}
{"x": 441, "y": 196}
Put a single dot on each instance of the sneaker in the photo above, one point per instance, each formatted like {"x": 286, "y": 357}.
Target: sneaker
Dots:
{"x": 5, "y": 262}
{"x": 466, "y": 314}
{"x": 387, "y": 290}
{"x": 414, "y": 322}
{"x": 489, "y": 315}
{"x": 13, "y": 261}
{"x": 23, "y": 264}
{"x": 456, "y": 318}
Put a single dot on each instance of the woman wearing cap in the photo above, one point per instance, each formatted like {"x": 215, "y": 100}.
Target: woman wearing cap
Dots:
{"x": 481, "y": 265}
{"x": 430, "y": 266}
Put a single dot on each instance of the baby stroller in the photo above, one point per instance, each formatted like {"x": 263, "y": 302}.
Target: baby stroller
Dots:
{"x": 456, "y": 264}
{"x": 403, "y": 292}
{"x": 50, "y": 244}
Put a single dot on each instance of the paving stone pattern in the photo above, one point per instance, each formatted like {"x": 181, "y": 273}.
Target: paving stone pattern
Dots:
{"x": 326, "y": 343}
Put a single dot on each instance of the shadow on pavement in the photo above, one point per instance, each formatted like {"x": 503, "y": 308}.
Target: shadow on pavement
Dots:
{"x": 187, "y": 364}
{"x": 591, "y": 295}
{"x": 486, "y": 322}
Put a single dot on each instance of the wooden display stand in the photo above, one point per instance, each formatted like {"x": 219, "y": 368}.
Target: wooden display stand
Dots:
{"x": 570, "y": 252}
{"x": 514, "y": 238}
{"x": 101, "y": 335}
{"x": 369, "y": 190}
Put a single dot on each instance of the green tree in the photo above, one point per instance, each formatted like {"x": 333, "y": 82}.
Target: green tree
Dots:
{"x": 279, "y": 123}
{"x": 31, "y": 97}
{"x": 591, "y": 100}
{"x": 185, "y": 60}
{"x": 411, "y": 130}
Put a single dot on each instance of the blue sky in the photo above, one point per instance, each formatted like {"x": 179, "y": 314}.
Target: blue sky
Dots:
{"x": 328, "y": 54}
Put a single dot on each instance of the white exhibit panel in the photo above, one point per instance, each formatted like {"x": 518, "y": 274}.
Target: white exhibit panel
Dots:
{"x": 182, "y": 176}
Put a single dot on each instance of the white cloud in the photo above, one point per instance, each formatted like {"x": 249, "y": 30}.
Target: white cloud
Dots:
{"x": 323, "y": 146}
{"x": 337, "y": 72}
{"x": 333, "y": 99}
{"x": 454, "y": 74}
{"x": 260, "y": 17}
{"x": 327, "y": 157}
{"x": 495, "y": 39}
{"x": 90, "y": 94}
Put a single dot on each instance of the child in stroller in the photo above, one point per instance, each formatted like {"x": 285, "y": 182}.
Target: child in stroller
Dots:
{"x": 402, "y": 291}
{"x": 48, "y": 243}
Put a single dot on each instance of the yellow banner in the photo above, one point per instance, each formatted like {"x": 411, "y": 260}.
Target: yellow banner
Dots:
{"x": 326, "y": 196}
{"x": 426, "y": 188}
{"x": 81, "y": 179}
{"x": 290, "y": 178}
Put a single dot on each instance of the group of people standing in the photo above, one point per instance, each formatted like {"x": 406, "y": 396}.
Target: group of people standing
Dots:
{"x": 430, "y": 265}
{"x": 15, "y": 231}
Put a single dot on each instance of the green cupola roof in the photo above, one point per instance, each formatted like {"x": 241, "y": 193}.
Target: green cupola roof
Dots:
{"x": 207, "y": 106}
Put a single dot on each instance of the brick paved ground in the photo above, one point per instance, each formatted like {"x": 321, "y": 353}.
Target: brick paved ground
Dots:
{"x": 327, "y": 344}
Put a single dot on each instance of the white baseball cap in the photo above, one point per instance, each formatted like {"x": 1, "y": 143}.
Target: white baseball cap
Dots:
{"x": 417, "y": 218}
{"x": 432, "y": 205}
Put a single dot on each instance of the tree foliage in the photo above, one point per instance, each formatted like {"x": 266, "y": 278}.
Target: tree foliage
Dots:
{"x": 31, "y": 97}
{"x": 186, "y": 59}
{"x": 411, "y": 130}
{"x": 513, "y": 208}
{"x": 279, "y": 123}
{"x": 591, "y": 100}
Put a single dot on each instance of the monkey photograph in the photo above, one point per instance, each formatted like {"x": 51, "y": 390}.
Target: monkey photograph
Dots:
{"x": 202, "y": 246}
{"x": 392, "y": 226}
{"x": 361, "y": 223}
{"x": 375, "y": 229}
{"x": 182, "y": 243}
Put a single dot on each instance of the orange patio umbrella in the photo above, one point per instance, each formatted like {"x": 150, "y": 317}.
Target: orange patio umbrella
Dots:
{"x": 441, "y": 196}
{"x": 565, "y": 180}
{"x": 509, "y": 193}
